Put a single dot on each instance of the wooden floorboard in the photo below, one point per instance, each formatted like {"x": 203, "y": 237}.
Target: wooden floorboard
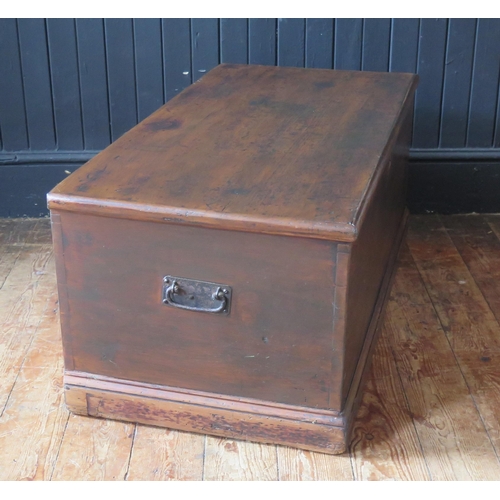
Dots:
{"x": 94, "y": 449}
{"x": 23, "y": 300}
{"x": 300, "y": 465}
{"x": 448, "y": 425}
{"x": 479, "y": 247}
{"x": 32, "y": 425}
{"x": 385, "y": 445}
{"x": 226, "y": 459}
{"x": 166, "y": 455}
{"x": 430, "y": 410}
{"x": 470, "y": 326}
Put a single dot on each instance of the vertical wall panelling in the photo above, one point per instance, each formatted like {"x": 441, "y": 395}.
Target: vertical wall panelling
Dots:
{"x": 93, "y": 83}
{"x": 176, "y": 35}
{"x": 291, "y": 42}
{"x": 204, "y": 46}
{"x": 148, "y": 66}
{"x": 119, "y": 39}
{"x": 65, "y": 84}
{"x": 76, "y": 84}
{"x": 376, "y": 42}
{"x": 37, "y": 85}
{"x": 430, "y": 69}
{"x": 234, "y": 41}
{"x": 404, "y": 45}
{"x": 496, "y": 138}
{"x": 348, "y": 34}
{"x": 262, "y": 41}
{"x": 457, "y": 82}
{"x": 319, "y": 43}
{"x": 68, "y": 87}
{"x": 484, "y": 93}
{"x": 12, "y": 110}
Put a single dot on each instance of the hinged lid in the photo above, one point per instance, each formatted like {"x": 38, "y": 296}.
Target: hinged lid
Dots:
{"x": 251, "y": 148}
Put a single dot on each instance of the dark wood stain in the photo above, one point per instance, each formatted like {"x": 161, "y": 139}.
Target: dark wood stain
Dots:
{"x": 184, "y": 416}
{"x": 278, "y": 300}
{"x": 295, "y": 199}
{"x": 323, "y": 85}
{"x": 270, "y": 150}
{"x": 166, "y": 124}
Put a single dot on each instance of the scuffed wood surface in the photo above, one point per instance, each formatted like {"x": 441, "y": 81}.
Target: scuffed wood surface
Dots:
{"x": 301, "y": 465}
{"x": 23, "y": 302}
{"x": 94, "y": 449}
{"x": 277, "y": 150}
{"x": 385, "y": 444}
{"x": 229, "y": 460}
{"x": 479, "y": 247}
{"x": 430, "y": 409}
{"x": 162, "y": 454}
{"x": 470, "y": 326}
{"x": 32, "y": 425}
{"x": 450, "y": 429}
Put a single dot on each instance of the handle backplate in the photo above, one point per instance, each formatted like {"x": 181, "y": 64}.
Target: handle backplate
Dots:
{"x": 195, "y": 295}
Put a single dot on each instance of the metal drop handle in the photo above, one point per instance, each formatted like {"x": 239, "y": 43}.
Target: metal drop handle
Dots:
{"x": 202, "y": 293}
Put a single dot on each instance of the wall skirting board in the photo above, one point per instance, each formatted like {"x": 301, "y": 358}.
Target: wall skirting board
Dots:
{"x": 443, "y": 181}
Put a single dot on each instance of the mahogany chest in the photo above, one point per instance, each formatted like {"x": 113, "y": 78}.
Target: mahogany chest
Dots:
{"x": 223, "y": 267}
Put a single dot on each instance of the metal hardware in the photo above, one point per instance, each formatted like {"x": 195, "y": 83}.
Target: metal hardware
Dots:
{"x": 193, "y": 295}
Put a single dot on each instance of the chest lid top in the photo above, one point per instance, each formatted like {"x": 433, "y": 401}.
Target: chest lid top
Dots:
{"x": 253, "y": 148}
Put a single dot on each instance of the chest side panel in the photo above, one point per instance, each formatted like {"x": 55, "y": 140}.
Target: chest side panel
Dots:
{"x": 371, "y": 254}
{"x": 276, "y": 343}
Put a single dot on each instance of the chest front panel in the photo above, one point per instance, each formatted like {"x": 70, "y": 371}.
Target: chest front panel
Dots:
{"x": 275, "y": 344}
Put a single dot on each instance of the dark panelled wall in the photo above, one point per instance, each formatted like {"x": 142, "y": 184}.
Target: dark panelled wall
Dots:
{"x": 68, "y": 87}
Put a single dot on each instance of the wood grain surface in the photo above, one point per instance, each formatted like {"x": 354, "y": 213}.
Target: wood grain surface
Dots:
{"x": 26, "y": 283}
{"x": 251, "y": 155}
{"x": 253, "y": 148}
{"x": 477, "y": 242}
{"x": 301, "y": 465}
{"x": 450, "y": 429}
{"x": 32, "y": 425}
{"x": 229, "y": 460}
{"x": 94, "y": 448}
{"x": 467, "y": 320}
{"x": 262, "y": 340}
{"x": 385, "y": 445}
{"x": 166, "y": 455}
{"x": 430, "y": 411}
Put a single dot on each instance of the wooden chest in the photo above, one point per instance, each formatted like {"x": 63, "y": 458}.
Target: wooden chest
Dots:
{"x": 223, "y": 266}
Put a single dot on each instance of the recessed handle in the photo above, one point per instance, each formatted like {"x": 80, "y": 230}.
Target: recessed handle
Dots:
{"x": 192, "y": 295}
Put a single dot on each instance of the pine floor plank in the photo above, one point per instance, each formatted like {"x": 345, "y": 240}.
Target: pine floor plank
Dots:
{"x": 41, "y": 234}
{"x": 479, "y": 247}
{"x": 24, "y": 231}
{"x": 164, "y": 455}
{"x": 494, "y": 222}
{"x": 450, "y": 429}
{"x": 6, "y": 228}
{"x": 470, "y": 325}
{"x": 94, "y": 449}
{"x": 385, "y": 445}
{"x": 463, "y": 311}
{"x": 229, "y": 460}
{"x": 14, "y": 235}
{"x": 301, "y": 465}
{"x": 23, "y": 300}
{"x": 32, "y": 425}
{"x": 8, "y": 260}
